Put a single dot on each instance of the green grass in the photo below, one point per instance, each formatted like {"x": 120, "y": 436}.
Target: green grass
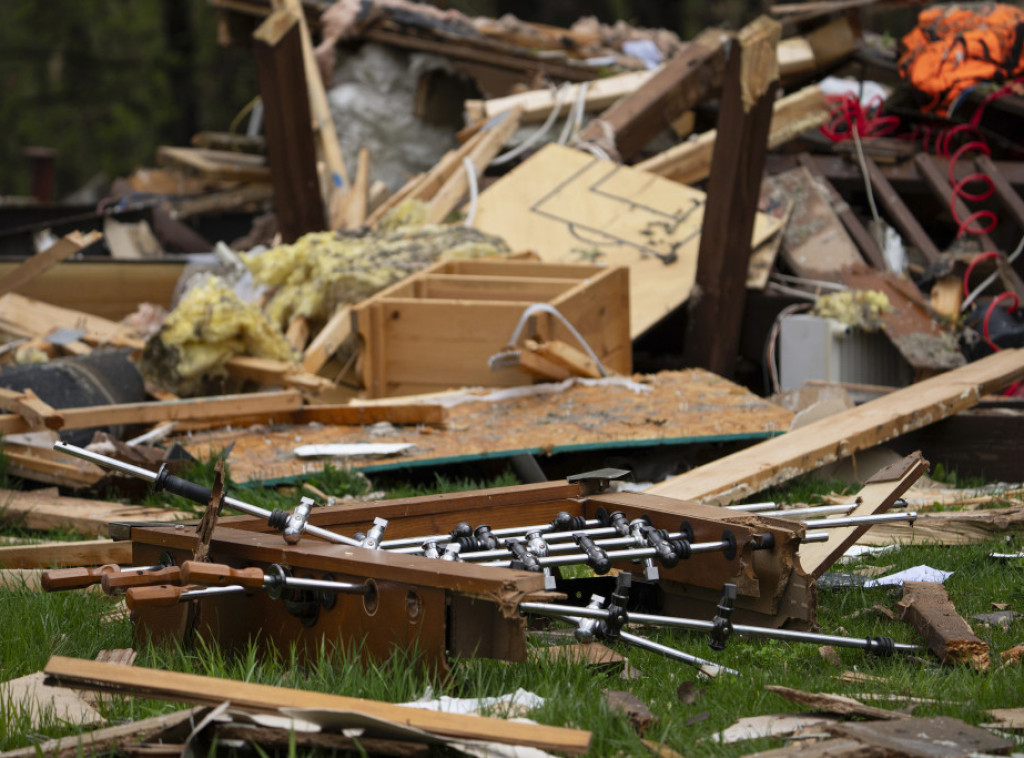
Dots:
{"x": 35, "y": 626}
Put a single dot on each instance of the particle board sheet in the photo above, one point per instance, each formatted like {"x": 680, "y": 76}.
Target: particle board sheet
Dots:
{"x": 677, "y": 407}
{"x": 570, "y": 207}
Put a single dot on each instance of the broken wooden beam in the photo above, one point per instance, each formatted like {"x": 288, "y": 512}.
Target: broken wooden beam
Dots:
{"x": 205, "y": 690}
{"x": 45, "y": 509}
{"x": 76, "y": 553}
{"x": 277, "y": 48}
{"x": 222, "y": 407}
{"x": 27, "y": 404}
{"x": 63, "y": 249}
{"x": 679, "y": 85}
{"x": 690, "y": 162}
{"x": 716, "y": 307}
{"x": 926, "y": 606}
{"x": 494, "y": 136}
{"x": 777, "y": 460}
{"x": 328, "y": 340}
{"x": 357, "y": 198}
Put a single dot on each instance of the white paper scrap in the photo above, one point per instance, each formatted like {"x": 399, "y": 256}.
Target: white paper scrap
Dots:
{"x": 520, "y": 699}
{"x": 342, "y": 449}
{"x": 915, "y": 574}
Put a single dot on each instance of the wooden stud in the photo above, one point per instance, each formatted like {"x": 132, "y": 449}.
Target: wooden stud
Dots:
{"x": 28, "y": 405}
{"x": 78, "y": 553}
{"x": 774, "y": 461}
{"x": 716, "y": 305}
{"x": 328, "y": 340}
{"x": 63, "y": 249}
{"x": 357, "y": 199}
{"x": 277, "y": 48}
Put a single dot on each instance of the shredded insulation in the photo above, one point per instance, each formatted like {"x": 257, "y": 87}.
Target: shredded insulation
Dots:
{"x": 210, "y": 325}
{"x": 861, "y": 308}
{"x": 322, "y": 270}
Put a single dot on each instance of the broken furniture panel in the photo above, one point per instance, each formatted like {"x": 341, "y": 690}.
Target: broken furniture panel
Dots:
{"x": 438, "y": 328}
{"x": 926, "y": 606}
{"x": 570, "y": 207}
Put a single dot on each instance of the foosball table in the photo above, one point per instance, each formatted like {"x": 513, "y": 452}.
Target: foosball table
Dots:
{"x": 459, "y": 575}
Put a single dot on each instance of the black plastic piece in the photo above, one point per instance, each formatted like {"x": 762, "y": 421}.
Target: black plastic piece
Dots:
{"x": 728, "y": 545}
{"x": 619, "y": 523}
{"x": 764, "y": 541}
{"x": 278, "y": 519}
{"x": 197, "y": 493}
{"x": 883, "y": 647}
{"x": 462, "y": 529}
{"x": 663, "y": 550}
{"x": 617, "y": 615}
{"x": 524, "y": 557}
{"x": 597, "y": 558}
{"x": 566, "y": 522}
{"x": 484, "y": 539}
{"x": 686, "y": 530}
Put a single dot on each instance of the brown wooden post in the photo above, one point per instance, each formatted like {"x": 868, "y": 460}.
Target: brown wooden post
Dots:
{"x": 716, "y": 302}
{"x": 277, "y": 48}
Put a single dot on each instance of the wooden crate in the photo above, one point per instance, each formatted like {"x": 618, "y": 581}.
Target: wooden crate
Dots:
{"x": 436, "y": 329}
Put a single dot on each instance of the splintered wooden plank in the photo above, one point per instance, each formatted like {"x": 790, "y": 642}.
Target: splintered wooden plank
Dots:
{"x": 926, "y": 606}
{"x": 805, "y": 449}
{"x": 328, "y": 340}
{"x": 63, "y": 249}
{"x": 949, "y": 528}
{"x": 204, "y": 690}
{"x": 46, "y": 509}
{"x": 25, "y": 317}
{"x": 78, "y": 553}
{"x": 678, "y": 407}
{"x": 877, "y": 496}
{"x": 570, "y": 207}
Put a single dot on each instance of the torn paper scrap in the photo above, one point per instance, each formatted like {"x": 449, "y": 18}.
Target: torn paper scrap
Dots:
{"x": 915, "y": 574}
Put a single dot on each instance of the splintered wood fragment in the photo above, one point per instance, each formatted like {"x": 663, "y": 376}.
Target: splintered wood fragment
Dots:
{"x": 949, "y": 528}
{"x": 269, "y": 372}
{"x": 27, "y": 404}
{"x": 26, "y": 317}
{"x": 30, "y": 695}
{"x": 629, "y": 705}
{"x": 589, "y": 654}
{"x": 680, "y": 84}
{"x": 810, "y": 447}
{"x": 541, "y": 367}
{"x": 46, "y": 509}
{"x": 209, "y": 521}
{"x": 926, "y": 606}
{"x": 839, "y": 704}
{"x": 204, "y": 690}
{"x": 877, "y": 496}
{"x": 358, "y": 195}
{"x": 902, "y": 217}
{"x": 923, "y": 738}
{"x": 328, "y": 340}
{"x": 54, "y": 554}
{"x": 298, "y": 333}
{"x": 492, "y": 139}
{"x": 42, "y": 464}
{"x": 571, "y": 358}
{"x": 63, "y": 249}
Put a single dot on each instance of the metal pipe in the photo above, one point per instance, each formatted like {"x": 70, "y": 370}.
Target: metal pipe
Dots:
{"x": 707, "y": 667}
{"x": 566, "y": 611}
{"x": 878, "y": 518}
{"x": 400, "y": 544}
{"x": 151, "y": 477}
{"x": 617, "y": 555}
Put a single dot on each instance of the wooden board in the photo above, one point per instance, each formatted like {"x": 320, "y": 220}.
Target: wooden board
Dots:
{"x": 926, "y": 606}
{"x": 949, "y": 528}
{"x": 106, "y": 288}
{"x": 46, "y": 509}
{"x": 774, "y": 461}
{"x": 63, "y": 249}
{"x": 570, "y": 207}
{"x": 682, "y": 407}
{"x": 79, "y": 553}
{"x": 877, "y": 496}
{"x": 25, "y": 317}
{"x": 264, "y": 698}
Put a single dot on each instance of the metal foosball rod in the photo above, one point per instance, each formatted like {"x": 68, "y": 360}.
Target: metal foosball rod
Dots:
{"x": 291, "y": 524}
{"x": 563, "y": 523}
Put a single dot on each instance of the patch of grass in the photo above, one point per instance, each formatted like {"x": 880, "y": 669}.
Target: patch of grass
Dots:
{"x": 805, "y": 490}
{"x": 443, "y": 484}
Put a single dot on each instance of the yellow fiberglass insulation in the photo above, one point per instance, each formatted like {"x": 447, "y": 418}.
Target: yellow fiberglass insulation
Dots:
{"x": 322, "y": 270}
{"x": 210, "y": 325}
{"x": 860, "y": 308}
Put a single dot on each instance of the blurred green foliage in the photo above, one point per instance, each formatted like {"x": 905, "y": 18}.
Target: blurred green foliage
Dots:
{"x": 105, "y": 82}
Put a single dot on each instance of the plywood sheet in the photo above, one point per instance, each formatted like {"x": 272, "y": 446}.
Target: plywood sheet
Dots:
{"x": 570, "y": 207}
{"x": 680, "y": 407}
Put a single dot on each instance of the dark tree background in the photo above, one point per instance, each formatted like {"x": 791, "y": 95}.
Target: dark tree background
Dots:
{"x": 104, "y": 82}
